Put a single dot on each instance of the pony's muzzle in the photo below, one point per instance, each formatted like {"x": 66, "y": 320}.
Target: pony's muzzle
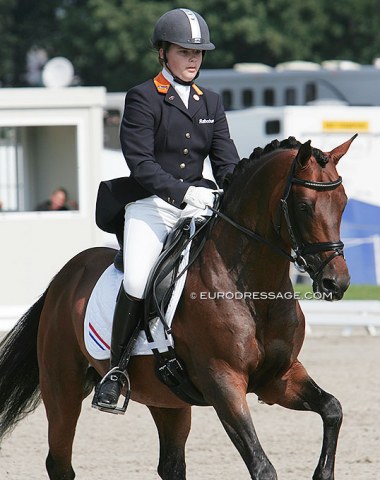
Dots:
{"x": 333, "y": 287}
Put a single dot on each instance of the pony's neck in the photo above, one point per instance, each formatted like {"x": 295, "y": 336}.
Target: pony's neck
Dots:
{"x": 251, "y": 265}
{"x": 253, "y": 201}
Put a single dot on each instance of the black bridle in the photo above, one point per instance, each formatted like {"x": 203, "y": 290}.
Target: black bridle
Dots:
{"x": 300, "y": 249}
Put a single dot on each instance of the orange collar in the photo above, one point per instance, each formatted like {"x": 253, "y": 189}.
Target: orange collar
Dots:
{"x": 163, "y": 85}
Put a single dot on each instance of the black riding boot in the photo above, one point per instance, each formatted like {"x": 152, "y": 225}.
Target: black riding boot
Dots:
{"x": 125, "y": 330}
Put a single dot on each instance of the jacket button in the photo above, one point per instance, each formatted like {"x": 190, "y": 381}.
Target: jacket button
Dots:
{"x": 187, "y": 135}
{"x": 182, "y": 165}
{"x": 185, "y": 151}
{"x": 181, "y": 179}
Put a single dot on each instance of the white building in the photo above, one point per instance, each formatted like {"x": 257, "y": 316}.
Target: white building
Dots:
{"x": 49, "y": 138}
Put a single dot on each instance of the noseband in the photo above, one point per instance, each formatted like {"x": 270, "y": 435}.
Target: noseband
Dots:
{"x": 300, "y": 249}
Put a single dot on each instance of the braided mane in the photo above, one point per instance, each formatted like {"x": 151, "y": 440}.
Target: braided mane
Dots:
{"x": 288, "y": 143}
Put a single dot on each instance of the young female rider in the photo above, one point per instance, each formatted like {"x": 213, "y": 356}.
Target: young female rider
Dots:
{"x": 168, "y": 128}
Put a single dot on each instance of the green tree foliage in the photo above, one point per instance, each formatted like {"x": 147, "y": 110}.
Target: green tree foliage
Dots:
{"x": 352, "y": 31}
{"x": 108, "y": 41}
{"x": 266, "y": 31}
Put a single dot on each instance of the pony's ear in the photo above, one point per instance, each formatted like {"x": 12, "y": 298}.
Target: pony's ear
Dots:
{"x": 304, "y": 154}
{"x": 338, "y": 152}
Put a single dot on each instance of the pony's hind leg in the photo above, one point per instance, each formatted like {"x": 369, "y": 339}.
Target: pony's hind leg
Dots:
{"x": 297, "y": 391}
{"x": 62, "y": 381}
{"x": 173, "y": 425}
{"x": 63, "y": 400}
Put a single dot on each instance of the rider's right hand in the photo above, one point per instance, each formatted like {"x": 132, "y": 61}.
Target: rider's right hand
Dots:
{"x": 199, "y": 197}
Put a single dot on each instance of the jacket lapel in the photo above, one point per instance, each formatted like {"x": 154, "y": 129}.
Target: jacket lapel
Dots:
{"x": 174, "y": 99}
{"x": 164, "y": 87}
{"x": 195, "y": 100}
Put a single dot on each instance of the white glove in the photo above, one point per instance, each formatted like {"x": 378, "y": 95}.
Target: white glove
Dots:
{"x": 200, "y": 197}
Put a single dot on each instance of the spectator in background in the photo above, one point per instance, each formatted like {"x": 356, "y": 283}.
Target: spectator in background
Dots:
{"x": 57, "y": 201}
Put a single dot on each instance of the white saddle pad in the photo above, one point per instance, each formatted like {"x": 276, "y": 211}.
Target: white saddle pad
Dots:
{"x": 101, "y": 306}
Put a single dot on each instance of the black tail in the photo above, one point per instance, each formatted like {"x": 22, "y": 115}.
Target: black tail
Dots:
{"x": 19, "y": 378}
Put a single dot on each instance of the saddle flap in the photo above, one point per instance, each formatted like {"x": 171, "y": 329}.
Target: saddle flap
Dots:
{"x": 164, "y": 274}
{"x": 160, "y": 281}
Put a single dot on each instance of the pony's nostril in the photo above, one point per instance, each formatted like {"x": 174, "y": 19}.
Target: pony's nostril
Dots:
{"x": 329, "y": 285}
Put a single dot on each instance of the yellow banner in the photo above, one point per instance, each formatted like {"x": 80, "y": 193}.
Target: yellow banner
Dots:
{"x": 345, "y": 126}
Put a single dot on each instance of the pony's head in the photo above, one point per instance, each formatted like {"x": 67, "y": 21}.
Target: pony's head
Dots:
{"x": 312, "y": 206}
{"x": 291, "y": 194}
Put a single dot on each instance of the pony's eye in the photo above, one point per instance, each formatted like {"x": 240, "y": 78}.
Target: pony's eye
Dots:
{"x": 303, "y": 207}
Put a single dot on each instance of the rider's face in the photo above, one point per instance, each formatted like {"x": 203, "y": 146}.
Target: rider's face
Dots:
{"x": 184, "y": 63}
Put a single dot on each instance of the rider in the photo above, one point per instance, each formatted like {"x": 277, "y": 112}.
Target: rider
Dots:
{"x": 169, "y": 127}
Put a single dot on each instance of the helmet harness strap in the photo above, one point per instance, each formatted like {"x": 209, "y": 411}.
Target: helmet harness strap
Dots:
{"x": 176, "y": 79}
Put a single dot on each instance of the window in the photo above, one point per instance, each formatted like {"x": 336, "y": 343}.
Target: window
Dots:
{"x": 272, "y": 127}
{"x": 34, "y": 162}
{"x": 9, "y": 169}
{"x": 269, "y": 97}
{"x": 247, "y": 98}
{"x": 111, "y": 124}
{"x": 227, "y": 99}
{"x": 290, "y": 97}
{"x": 310, "y": 92}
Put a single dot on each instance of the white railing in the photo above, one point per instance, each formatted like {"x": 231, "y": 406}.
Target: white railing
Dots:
{"x": 346, "y": 314}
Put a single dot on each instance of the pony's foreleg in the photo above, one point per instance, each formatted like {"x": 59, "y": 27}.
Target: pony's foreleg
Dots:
{"x": 229, "y": 401}
{"x": 173, "y": 425}
{"x": 298, "y": 391}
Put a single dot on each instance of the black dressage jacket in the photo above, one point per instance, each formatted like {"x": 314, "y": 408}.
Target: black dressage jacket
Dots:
{"x": 165, "y": 145}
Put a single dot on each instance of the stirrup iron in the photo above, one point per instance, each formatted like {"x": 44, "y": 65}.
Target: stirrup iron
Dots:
{"x": 124, "y": 377}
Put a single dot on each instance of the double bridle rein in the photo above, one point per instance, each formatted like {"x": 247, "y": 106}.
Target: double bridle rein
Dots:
{"x": 300, "y": 249}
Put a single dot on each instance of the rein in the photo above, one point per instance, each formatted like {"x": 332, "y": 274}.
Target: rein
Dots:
{"x": 252, "y": 234}
{"x": 300, "y": 249}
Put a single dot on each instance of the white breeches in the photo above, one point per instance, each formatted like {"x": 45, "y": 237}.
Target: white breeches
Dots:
{"x": 147, "y": 224}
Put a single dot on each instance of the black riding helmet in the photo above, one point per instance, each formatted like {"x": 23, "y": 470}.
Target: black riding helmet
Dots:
{"x": 183, "y": 27}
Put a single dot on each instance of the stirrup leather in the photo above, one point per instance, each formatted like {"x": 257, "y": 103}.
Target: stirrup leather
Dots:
{"x": 123, "y": 377}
